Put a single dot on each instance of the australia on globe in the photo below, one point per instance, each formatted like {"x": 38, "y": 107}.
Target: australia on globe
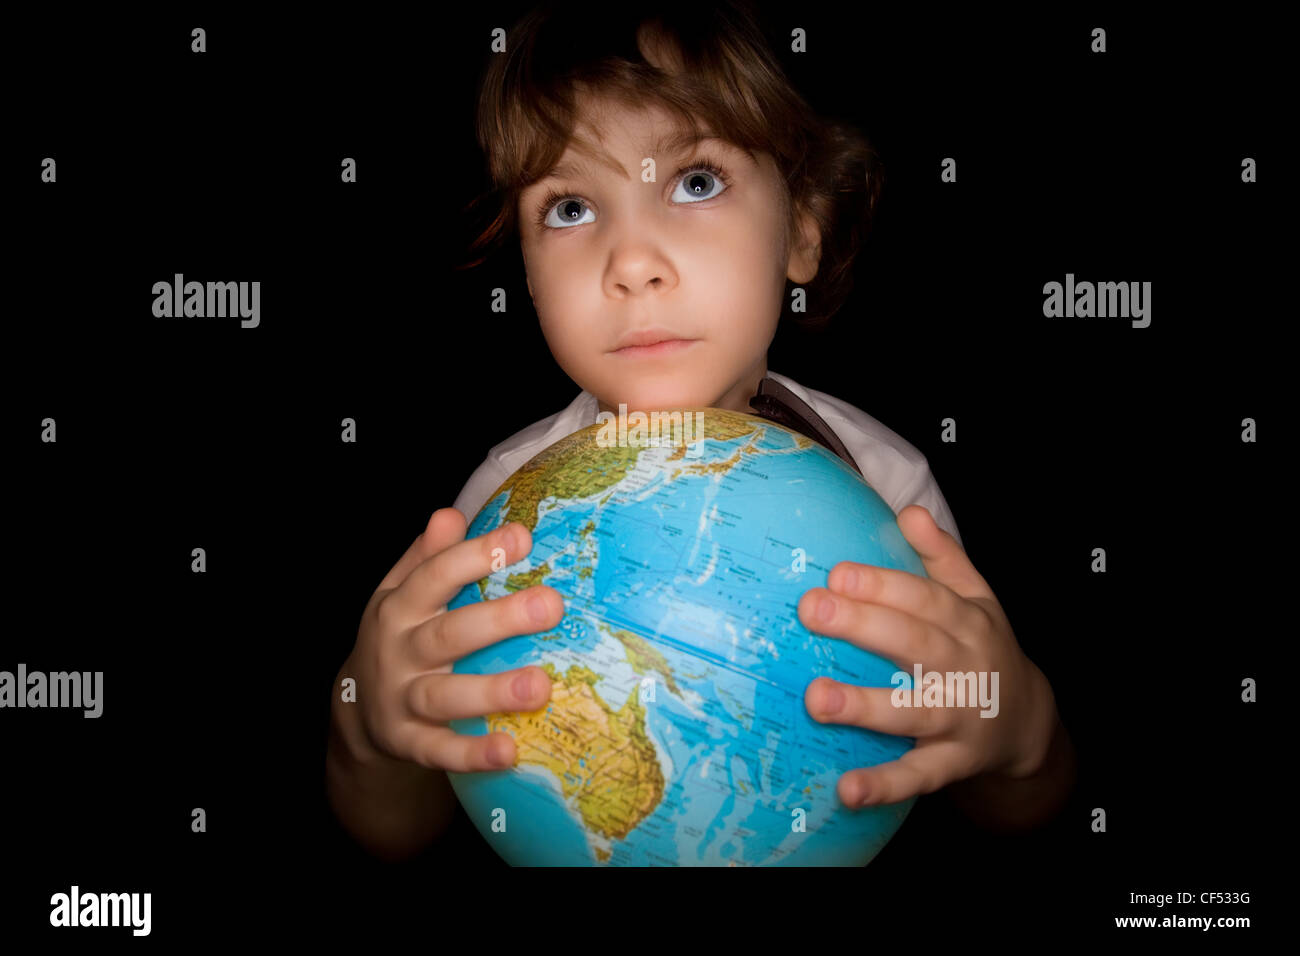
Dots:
{"x": 676, "y": 732}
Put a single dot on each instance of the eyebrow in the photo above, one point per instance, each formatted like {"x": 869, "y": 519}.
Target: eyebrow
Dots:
{"x": 668, "y": 143}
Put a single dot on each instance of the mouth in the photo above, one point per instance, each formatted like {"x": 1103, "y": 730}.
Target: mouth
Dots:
{"x": 655, "y": 348}
{"x": 651, "y": 342}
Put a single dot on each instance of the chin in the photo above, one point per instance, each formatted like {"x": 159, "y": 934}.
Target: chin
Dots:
{"x": 661, "y": 396}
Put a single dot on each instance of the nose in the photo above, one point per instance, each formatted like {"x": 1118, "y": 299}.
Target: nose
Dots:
{"x": 636, "y": 268}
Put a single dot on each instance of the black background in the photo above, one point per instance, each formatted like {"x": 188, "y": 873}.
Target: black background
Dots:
{"x": 176, "y": 434}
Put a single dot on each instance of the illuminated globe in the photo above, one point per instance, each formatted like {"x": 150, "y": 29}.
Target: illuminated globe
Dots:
{"x": 676, "y": 732}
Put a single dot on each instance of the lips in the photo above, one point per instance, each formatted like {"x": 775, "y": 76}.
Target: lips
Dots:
{"x": 646, "y": 337}
{"x": 659, "y": 348}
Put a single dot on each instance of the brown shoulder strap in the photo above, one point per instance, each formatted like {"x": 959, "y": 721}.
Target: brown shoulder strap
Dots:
{"x": 777, "y": 403}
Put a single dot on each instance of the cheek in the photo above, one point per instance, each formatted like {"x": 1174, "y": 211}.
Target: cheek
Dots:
{"x": 563, "y": 300}
{"x": 561, "y": 262}
{"x": 759, "y": 267}
{"x": 551, "y": 280}
{"x": 762, "y": 235}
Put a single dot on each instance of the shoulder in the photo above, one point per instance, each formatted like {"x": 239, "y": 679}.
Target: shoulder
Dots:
{"x": 892, "y": 465}
{"x": 874, "y": 444}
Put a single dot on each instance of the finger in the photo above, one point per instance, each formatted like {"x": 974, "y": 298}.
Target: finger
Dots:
{"x": 894, "y": 635}
{"x": 944, "y": 559}
{"x": 434, "y": 582}
{"x": 923, "y": 769}
{"x": 443, "y": 697}
{"x": 874, "y": 709}
{"x": 446, "y": 527}
{"x": 451, "y": 636}
{"x": 924, "y": 598}
{"x": 441, "y": 748}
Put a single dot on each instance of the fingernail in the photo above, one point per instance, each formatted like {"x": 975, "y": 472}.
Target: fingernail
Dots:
{"x": 832, "y": 700}
{"x": 850, "y": 579}
{"x": 537, "y": 607}
{"x": 497, "y": 752}
{"x": 825, "y": 609}
{"x": 523, "y": 687}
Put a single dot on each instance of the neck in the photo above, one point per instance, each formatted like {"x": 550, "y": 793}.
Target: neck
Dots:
{"x": 735, "y": 399}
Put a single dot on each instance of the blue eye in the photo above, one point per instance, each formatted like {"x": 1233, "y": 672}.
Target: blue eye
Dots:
{"x": 567, "y": 207}
{"x": 696, "y": 182}
{"x": 700, "y": 183}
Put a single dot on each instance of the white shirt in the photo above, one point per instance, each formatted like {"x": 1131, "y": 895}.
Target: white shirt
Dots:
{"x": 894, "y": 468}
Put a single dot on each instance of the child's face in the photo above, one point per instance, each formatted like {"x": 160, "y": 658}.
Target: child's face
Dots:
{"x": 691, "y": 255}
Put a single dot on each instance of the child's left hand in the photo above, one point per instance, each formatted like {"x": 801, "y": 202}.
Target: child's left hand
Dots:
{"x": 950, "y": 621}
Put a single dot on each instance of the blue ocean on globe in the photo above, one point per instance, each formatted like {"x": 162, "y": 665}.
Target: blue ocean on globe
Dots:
{"x": 676, "y": 733}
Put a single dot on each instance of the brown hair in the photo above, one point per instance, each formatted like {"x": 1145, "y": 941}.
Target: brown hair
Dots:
{"x": 730, "y": 78}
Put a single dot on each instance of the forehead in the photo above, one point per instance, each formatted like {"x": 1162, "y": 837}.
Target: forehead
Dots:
{"x": 648, "y": 130}
{"x": 583, "y": 158}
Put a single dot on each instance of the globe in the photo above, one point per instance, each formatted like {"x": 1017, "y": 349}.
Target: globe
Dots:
{"x": 676, "y": 732}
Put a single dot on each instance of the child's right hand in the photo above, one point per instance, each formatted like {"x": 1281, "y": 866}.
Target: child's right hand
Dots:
{"x": 408, "y": 641}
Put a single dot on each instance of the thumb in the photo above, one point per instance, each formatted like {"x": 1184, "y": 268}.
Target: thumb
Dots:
{"x": 446, "y": 527}
{"x": 944, "y": 559}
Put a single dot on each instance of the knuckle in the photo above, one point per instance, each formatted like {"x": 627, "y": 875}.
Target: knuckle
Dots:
{"x": 369, "y": 671}
{"x": 437, "y": 637}
{"x": 928, "y": 781}
{"x": 969, "y": 766}
{"x": 432, "y": 699}
{"x": 372, "y": 605}
{"x": 870, "y": 706}
{"x": 429, "y": 698}
{"x": 1036, "y": 750}
{"x": 417, "y": 698}
{"x": 913, "y": 721}
{"x": 505, "y": 614}
{"x": 869, "y": 583}
{"x": 868, "y": 618}
{"x": 927, "y": 646}
{"x": 385, "y": 613}
{"x": 384, "y": 655}
{"x": 883, "y": 786}
{"x": 433, "y": 571}
{"x": 430, "y": 753}
{"x": 934, "y": 720}
{"x": 470, "y": 756}
{"x": 423, "y": 641}
{"x": 982, "y": 621}
{"x": 381, "y": 733}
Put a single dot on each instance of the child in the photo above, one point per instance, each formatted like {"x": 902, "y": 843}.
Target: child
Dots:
{"x": 749, "y": 192}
